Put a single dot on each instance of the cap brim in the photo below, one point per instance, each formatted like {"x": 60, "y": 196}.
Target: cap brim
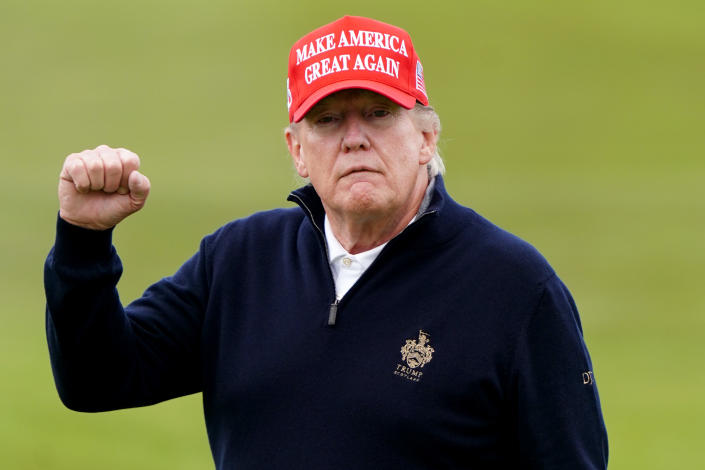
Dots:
{"x": 402, "y": 99}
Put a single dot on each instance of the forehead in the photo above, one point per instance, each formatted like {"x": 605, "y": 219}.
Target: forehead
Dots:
{"x": 351, "y": 96}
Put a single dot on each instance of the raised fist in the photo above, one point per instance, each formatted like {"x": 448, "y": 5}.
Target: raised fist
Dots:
{"x": 100, "y": 187}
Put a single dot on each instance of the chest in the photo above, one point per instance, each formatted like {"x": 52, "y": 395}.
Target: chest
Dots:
{"x": 407, "y": 358}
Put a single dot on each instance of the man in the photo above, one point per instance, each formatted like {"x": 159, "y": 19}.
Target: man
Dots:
{"x": 377, "y": 325}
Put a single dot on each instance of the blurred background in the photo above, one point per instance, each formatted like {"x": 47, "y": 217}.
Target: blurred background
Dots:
{"x": 576, "y": 125}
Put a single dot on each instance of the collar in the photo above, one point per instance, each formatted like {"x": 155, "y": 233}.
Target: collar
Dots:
{"x": 307, "y": 198}
{"x": 336, "y": 250}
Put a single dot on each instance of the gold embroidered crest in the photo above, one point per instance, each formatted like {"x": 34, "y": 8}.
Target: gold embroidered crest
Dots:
{"x": 417, "y": 353}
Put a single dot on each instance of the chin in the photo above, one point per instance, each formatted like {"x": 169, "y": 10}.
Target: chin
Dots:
{"x": 365, "y": 202}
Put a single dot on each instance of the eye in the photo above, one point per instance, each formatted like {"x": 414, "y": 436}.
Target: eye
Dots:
{"x": 379, "y": 113}
{"x": 325, "y": 119}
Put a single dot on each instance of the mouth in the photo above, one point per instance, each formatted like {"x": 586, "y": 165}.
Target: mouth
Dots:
{"x": 358, "y": 169}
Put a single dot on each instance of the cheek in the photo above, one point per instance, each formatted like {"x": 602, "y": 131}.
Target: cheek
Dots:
{"x": 317, "y": 170}
{"x": 409, "y": 155}
{"x": 320, "y": 159}
{"x": 410, "y": 141}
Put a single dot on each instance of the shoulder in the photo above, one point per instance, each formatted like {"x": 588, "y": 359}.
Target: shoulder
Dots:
{"x": 258, "y": 229}
{"x": 265, "y": 220}
{"x": 483, "y": 246}
{"x": 497, "y": 252}
{"x": 507, "y": 248}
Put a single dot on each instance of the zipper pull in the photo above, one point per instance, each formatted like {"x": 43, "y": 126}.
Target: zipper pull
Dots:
{"x": 333, "y": 312}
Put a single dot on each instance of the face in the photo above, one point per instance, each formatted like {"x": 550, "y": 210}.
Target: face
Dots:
{"x": 363, "y": 154}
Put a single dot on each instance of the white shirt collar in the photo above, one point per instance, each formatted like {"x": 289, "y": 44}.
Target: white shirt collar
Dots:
{"x": 347, "y": 268}
{"x": 336, "y": 250}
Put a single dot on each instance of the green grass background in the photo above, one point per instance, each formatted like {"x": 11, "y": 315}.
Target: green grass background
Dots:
{"x": 576, "y": 125}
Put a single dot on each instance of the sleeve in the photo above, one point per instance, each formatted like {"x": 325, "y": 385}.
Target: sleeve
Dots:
{"x": 107, "y": 357}
{"x": 559, "y": 420}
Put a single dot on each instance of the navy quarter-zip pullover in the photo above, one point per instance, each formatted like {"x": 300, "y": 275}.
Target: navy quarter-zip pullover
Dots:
{"x": 458, "y": 348}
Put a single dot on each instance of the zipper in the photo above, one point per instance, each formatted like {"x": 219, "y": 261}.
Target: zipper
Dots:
{"x": 422, "y": 216}
{"x": 333, "y": 312}
{"x": 333, "y": 309}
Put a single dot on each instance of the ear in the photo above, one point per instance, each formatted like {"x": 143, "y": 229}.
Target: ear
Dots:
{"x": 428, "y": 146}
{"x": 294, "y": 145}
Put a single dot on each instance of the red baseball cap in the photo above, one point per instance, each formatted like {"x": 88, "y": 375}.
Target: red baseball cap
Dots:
{"x": 353, "y": 52}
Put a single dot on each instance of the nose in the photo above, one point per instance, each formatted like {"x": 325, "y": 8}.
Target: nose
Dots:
{"x": 354, "y": 134}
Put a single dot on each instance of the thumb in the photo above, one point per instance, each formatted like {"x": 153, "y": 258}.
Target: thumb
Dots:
{"x": 138, "y": 185}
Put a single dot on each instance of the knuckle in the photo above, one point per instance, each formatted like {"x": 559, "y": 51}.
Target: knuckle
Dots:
{"x": 69, "y": 163}
{"x": 112, "y": 167}
{"x": 75, "y": 166}
{"x": 94, "y": 165}
{"x": 108, "y": 156}
{"x": 129, "y": 158}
